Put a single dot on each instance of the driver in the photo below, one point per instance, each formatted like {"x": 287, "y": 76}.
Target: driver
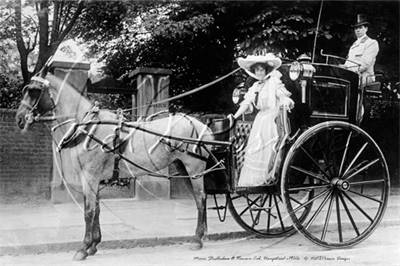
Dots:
{"x": 363, "y": 52}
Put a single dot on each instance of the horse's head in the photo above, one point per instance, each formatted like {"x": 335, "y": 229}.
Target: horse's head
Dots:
{"x": 37, "y": 100}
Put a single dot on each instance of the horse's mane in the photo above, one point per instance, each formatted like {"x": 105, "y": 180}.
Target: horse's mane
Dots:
{"x": 58, "y": 82}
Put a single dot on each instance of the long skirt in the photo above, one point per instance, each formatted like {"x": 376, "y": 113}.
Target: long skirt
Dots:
{"x": 261, "y": 146}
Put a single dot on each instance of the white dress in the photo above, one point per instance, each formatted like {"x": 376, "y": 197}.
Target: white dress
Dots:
{"x": 263, "y": 135}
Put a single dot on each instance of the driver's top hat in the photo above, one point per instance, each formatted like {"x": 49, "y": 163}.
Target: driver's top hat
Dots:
{"x": 361, "y": 20}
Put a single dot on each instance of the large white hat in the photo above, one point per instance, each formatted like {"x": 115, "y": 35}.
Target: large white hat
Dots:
{"x": 270, "y": 59}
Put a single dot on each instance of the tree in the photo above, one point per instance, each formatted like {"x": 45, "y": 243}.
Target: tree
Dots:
{"x": 41, "y": 26}
{"x": 200, "y": 40}
{"x": 45, "y": 30}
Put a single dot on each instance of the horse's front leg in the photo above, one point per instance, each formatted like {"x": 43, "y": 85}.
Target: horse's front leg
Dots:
{"x": 92, "y": 212}
{"x": 96, "y": 230}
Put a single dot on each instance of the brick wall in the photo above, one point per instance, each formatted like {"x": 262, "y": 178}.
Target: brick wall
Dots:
{"x": 25, "y": 160}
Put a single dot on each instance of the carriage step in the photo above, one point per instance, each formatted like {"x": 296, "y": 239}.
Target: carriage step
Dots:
{"x": 217, "y": 208}
{"x": 260, "y": 209}
{"x": 273, "y": 189}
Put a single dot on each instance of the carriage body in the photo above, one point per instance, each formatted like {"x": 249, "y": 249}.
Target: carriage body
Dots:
{"x": 331, "y": 173}
{"x": 331, "y": 94}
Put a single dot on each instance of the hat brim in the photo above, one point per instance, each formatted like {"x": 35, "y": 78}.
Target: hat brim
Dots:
{"x": 360, "y": 24}
{"x": 271, "y": 60}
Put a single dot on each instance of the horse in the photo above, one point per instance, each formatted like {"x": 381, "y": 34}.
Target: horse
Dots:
{"x": 143, "y": 149}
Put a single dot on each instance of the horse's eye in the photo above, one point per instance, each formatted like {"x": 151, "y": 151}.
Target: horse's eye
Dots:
{"x": 34, "y": 93}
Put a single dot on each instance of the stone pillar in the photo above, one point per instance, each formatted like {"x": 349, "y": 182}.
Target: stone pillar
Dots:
{"x": 152, "y": 86}
{"x": 77, "y": 75}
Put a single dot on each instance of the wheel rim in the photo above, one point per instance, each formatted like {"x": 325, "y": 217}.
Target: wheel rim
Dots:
{"x": 262, "y": 214}
{"x": 349, "y": 178}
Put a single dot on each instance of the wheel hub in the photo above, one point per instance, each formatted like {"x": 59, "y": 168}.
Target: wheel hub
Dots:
{"x": 342, "y": 185}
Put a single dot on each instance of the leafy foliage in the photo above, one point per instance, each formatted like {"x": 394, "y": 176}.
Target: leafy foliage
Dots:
{"x": 200, "y": 40}
{"x": 10, "y": 90}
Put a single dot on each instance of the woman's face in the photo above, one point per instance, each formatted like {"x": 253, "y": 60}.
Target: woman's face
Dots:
{"x": 260, "y": 72}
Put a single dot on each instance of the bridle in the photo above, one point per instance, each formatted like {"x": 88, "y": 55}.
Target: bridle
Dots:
{"x": 33, "y": 114}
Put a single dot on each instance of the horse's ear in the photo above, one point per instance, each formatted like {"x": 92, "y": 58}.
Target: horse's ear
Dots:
{"x": 43, "y": 72}
{"x": 45, "y": 69}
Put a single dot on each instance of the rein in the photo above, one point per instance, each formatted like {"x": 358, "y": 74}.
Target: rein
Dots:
{"x": 188, "y": 92}
{"x": 53, "y": 117}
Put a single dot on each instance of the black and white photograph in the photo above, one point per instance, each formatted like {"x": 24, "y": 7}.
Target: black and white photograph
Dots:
{"x": 195, "y": 132}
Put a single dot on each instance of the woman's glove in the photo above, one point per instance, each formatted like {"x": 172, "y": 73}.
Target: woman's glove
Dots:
{"x": 287, "y": 103}
{"x": 232, "y": 120}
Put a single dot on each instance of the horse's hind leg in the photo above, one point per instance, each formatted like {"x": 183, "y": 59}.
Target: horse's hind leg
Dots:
{"x": 197, "y": 188}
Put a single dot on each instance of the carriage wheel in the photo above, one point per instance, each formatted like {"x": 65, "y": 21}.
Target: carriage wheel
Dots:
{"x": 263, "y": 214}
{"x": 347, "y": 173}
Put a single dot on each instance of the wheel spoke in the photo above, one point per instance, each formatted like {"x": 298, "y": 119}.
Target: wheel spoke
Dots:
{"x": 249, "y": 205}
{"x": 355, "y": 168}
{"x": 294, "y": 189}
{"x": 269, "y": 216}
{"x": 365, "y": 196}
{"x": 309, "y": 173}
{"x": 325, "y": 158}
{"x": 295, "y": 200}
{"x": 327, "y": 219}
{"x": 311, "y": 200}
{"x": 355, "y": 158}
{"x": 279, "y": 213}
{"x": 361, "y": 169}
{"x": 378, "y": 181}
{"x": 339, "y": 221}
{"x": 315, "y": 163}
{"x": 257, "y": 218}
{"x": 358, "y": 207}
{"x": 318, "y": 211}
{"x": 236, "y": 197}
{"x": 349, "y": 215}
{"x": 345, "y": 153}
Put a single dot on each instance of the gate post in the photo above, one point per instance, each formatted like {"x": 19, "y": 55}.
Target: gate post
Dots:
{"x": 152, "y": 86}
{"x": 77, "y": 75}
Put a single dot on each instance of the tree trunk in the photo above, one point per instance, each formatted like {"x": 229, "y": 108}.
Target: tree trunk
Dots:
{"x": 23, "y": 51}
{"x": 48, "y": 45}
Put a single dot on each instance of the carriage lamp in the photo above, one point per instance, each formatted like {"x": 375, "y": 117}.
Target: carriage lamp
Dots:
{"x": 302, "y": 70}
{"x": 238, "y": 94}
{"x": 294, "y": 70}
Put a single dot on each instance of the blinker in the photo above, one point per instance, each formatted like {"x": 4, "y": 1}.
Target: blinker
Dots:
{"x": 45, "y": 82}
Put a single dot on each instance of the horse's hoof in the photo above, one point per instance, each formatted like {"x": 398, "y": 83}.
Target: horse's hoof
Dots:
{"x": 196, "y": 246}
{"x": 91, "y": 251}
{"x": 80, "y": 255}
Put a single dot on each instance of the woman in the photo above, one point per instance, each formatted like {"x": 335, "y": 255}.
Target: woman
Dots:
{"x": 267, "y": 95}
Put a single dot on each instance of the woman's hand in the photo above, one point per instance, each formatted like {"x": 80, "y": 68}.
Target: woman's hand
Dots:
{"x": 232, "y": 120}
{"x": 287, "y": 103}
